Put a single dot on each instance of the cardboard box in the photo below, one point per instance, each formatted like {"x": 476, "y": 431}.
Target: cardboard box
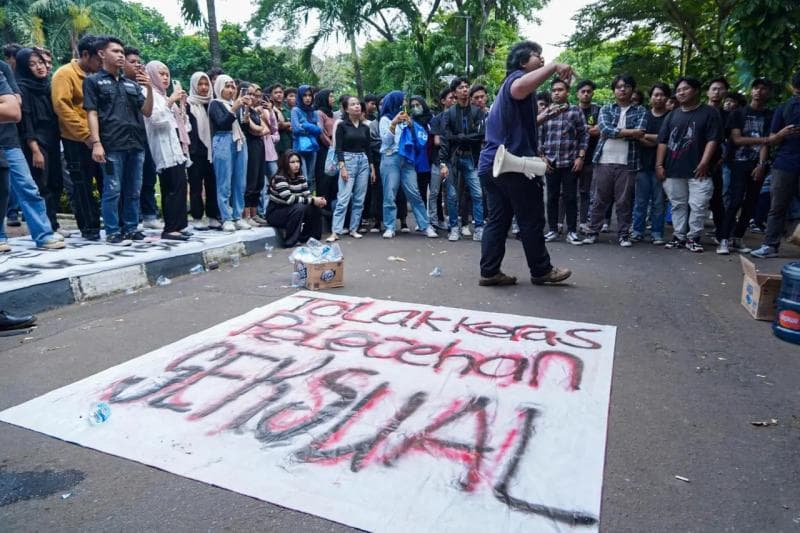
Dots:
{"x": 322, "y": 275}
{"x": 759, "y": 291}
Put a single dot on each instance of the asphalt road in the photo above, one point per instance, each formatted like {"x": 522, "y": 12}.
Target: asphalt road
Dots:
{"x": 692, "y": 371}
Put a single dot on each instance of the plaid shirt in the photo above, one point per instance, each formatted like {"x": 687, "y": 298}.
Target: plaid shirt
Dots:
{"x": 563, "y": 137}
{"x": 635, "y": 119}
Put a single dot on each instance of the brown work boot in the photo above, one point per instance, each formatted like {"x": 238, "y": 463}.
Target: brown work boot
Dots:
{"x": 497, "y": 279}
{"x": 556, "y": 275}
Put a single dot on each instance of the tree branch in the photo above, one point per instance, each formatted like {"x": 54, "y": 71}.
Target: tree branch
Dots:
{"x": 386, "y": 33}
{"x": 675, "y": 14}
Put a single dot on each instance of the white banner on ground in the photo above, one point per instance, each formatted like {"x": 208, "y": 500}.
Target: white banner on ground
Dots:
{"x": 27, "y": 265}
{"x": 382, "y": 415}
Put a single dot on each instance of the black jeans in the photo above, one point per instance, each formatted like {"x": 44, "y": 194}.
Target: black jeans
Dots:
{"x": 301, "y": 221}
{"x": 742, "y": 194}
{"x": 82, "y": 169}
{"x": 785, "y": 186}
{"x": 201, "y": 176}
{"x": 562, "y": 183}
{"x": 147, "y": 198}
{"x": 256, "y": 167}
{"x": 49, "y": 180}
{"x": 173, "y": 198}
{"x": 717, "y": 204}
{"x": 511, "y": 195}
{"x": 4, "y": 188}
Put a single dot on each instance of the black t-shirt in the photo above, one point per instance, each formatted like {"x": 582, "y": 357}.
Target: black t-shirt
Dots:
{"x": 118, "y": 102}
{"x": 255, "y": 119}
{"x": 648, "y": 155}
{"x": 751, "y": 123}
{"x": 9, "y": 135}
{"x": 686, "y": 134}
{"x": 591, "y": 115}
{"x": 352, "y": 138}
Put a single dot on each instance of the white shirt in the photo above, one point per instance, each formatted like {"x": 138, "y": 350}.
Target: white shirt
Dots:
{"x": 162, "y": 135}
{"x": 615, "y": 151}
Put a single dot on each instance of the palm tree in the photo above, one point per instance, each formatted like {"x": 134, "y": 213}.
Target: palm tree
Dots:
{"x": 190, "y": 10}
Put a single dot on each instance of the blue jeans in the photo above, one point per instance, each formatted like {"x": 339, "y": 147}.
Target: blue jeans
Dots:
{"x": 124, "y": 178}
{"x": 649, "y": 192}
{"x": 396, "y": 171}
{"x": 309, "y": 162}
{"x": 357, "y": 165}
{"x": 468, "y": 175}
{"x": 22, "y": 186}
{"x": 270, "y": 169}
{"x": 230, "y": 168}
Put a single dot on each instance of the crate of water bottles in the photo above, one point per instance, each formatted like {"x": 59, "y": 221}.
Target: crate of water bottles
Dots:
{"x": 317, "y": 266}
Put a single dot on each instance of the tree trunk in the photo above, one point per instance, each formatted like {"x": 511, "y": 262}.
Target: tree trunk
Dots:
{"x": 213, "y": 35}
{"x": 481, "y": 48}
{"x": 356, "y": 67}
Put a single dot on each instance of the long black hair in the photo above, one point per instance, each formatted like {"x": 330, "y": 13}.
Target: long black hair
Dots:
{"x": 283, "y": 164}
{"x": 425, "y": 118}
{"x": 521, "y": 53}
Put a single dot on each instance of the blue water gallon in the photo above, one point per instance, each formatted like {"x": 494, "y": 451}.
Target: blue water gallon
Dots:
{"x": 787, "y": 320}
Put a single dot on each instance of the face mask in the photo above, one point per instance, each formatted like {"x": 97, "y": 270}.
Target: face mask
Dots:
{"x": 416, "y": 111}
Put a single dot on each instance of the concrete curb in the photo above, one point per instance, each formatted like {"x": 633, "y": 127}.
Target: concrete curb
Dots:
{"x": 50, "y": 295}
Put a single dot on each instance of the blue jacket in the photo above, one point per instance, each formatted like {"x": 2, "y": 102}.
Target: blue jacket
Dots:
{"x": 414, "y": 147}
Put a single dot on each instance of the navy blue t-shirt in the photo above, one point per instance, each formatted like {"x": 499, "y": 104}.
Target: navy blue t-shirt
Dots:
{"x": 787, "y": 157}
{"x": 9, "y": 136}
{"x": 511, "y": 123}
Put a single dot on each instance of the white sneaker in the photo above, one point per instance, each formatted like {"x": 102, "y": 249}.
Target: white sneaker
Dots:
{"x": 228, "y": 226}
{"x": 573, "y": 238}
{"x": 431, "y": 233}
{"x": 213, "y": 223}
{"x": 478, "y": 235}
{"x": 355, "y": 234}
{"x": 388, "y": 234}
{"x": 4, "y": 247}
{"x": 199, "y": 225}
{"x": 152, "y": 223}
{"x": 241, "y": 224}
{"x": 57, "y": 237}
{"x": 332, "y": 238}
{"x": 604, "y": 229}
{"x": 550, "y": 236}
{"x": 722, "y": 248}
{"x": 455, "y": 234}
{"x": 64, "y": 232}
{"x": 465, "y": 231}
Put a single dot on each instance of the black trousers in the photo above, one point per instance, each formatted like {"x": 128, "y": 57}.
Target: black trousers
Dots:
{"x": 301, "y": 221}
{"x": 256, "y": 167}
{"x": 82, "y": 169}
{"x": 4, "y": 188}
{"x": 717, "y": 204}
{"x": 49, "y": 180}
{"x": 743, "y": 194}
{"x": 173, "y": 197}
{"x": 201, "y": 176}
{"x": 562, "y": 183}
{"x": 511, "y": 195}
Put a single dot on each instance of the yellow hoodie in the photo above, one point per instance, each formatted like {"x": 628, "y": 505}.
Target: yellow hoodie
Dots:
{"x": 67, "y": 94}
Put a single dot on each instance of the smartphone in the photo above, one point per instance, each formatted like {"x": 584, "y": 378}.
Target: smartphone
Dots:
{"x": 176, "y": 85}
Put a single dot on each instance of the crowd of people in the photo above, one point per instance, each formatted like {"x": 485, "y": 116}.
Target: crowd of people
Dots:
{"x": 232, "y": 154}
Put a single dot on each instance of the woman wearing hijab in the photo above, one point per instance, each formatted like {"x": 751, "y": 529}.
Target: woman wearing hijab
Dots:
{"x": 421, "y": 115}
{"x": 164, "y": 140}
{"x": 323, "y": 103}
{"x": 305, "y": 130}
{"x": 396, "y": 170}
{"x": 226, "y": 115}
{"x": 201, "y": 173}
{"x": 39, "y": 130}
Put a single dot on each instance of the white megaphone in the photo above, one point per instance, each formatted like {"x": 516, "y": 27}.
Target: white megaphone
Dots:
{"x": 505, "y": 161}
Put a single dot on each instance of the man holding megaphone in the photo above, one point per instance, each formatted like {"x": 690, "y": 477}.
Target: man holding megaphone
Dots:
{"x": 510, "y": 172}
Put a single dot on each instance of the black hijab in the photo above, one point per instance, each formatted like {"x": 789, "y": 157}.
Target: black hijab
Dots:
{"x": 24, "y": 75}
{"x": 35, "y": 91}
{"x": 425, "y": 118}
{"x": 321, "y": 102}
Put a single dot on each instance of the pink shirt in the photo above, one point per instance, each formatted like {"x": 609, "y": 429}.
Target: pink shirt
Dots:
{"x": 270, "y": 154}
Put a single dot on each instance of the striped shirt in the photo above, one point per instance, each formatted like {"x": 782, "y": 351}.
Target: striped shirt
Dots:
{"x": 288, "y": 191}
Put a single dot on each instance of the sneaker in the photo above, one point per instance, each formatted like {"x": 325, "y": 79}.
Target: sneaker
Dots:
{"x": 356, "y": 235}
{"x": 375, "y": 229}
{"x": 556, "y": 275}
{"x": 199, "y": 225}
{"x": 573, "y": 238}
{"x": 694, "y": 246}
{"x": 497, "y": 280}
{"x": 431, "y": 233}
{"x": 53, "y": 244}
{"x": 635, "y": 237}
{"x": 738, "y": 246}
{"x": 258, "y": 220}
{"x": 241, "y": 225}
{"x": 478, "y": 235}
{"x": 766, "y": 251}
{"x": 675, "y": 243}
{"x": 4, "y": 247}
{"x": 455, "y": 234}
{"x": 152, "y": 223}
{"x": 754, "y": 228}
{"x": 590, "y": 239}
{"x": 404, "y": 228}
{"x": 388, "y": 234}
{"x": 64, "y": 232}
{"x": 550, "y": 236}
{"x": 584, "y": 228}
{"x": 625, "y": 242}
{"x": 658, "y": 241}
{"x": 332, "y": 238}
{"x": 228, "y": 226}
{"x": 58, "y": 237}
{"x": 604, "y": 229}
{"x": 723, "y": 249}
{"x": 118, "y": 239}
{"x": 213, "y": 223}
{"x": 91, "y": 235}
{"x": 465, "y": 231}
{"x": 136, "y": 236}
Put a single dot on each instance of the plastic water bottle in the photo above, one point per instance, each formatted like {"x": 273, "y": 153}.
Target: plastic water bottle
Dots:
{"x": 234, "y": 260}
{"x": 100, "y": 413}
{"x": 436, "y": 272}
{"x": 297, "y": 279}
{"x": 197, "y": 269}
{"x": 269, "y": 248}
